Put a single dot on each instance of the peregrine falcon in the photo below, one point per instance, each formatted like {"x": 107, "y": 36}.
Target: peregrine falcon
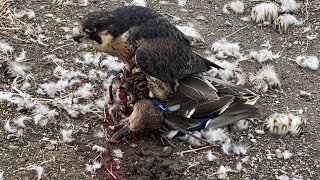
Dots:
{"x": 145, "y": 39}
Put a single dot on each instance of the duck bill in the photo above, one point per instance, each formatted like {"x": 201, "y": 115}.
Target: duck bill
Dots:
{"x": 121, "y": 133}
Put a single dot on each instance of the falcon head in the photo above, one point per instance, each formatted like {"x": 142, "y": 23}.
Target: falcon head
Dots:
{"x": 96, "y": 27}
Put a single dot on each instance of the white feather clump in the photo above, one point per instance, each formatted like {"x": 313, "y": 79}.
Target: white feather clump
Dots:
{"x": 117, "y": 153}
{"x": 66, "y": 135}
{"x": 241, "y": 125}
{"x": 8, "y": 128}
{"x": 18, "y": 69}
{"x": 137, "y": 3}
{"x": 90, "y": 58}
{"x": 112, "y": 63}
{"x": 5, "y": 47}
{"x": 28, "y": 12}
{"x": 191, "y": 32}
{"x": 282, "y": 177}
{"x": 289, "y": 6}
{"x": 226, "y": 48}
{"x": 52, "y": 88}
{"x": 283, "y": 22}
{"x": 264, "y": 55}
{"x": 99, "y": 149}
{"x": 287, "y": 155}
{"x": 214, "y": 135}
{"x": 264, "y": 12}
{"x": 1, "y": 174}
{"x": 93, "y": 167}
{"x": 22, "y": 56}
{"x": 225, "y": 9}
{"x": 84, "y": 91}
{"x": 311, "y": 62}
{"x": 61, "y": 73}
{"x": 283, "y": 123}
{"x": 210, "y": 157}
{"x": 258, "y": 84}
{"x": 182, "y": 2}
{"x": 269, "y": 74}
{"x": 191, "y": 139}
{"x": 222, "y": 172}
{"x": 38, "y": 169}
{"x": 237, "y": 6}
{"x": 20, "y": 121}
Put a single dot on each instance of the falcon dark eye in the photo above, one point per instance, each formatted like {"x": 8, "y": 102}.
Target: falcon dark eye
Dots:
{"x": 90, "y": 30}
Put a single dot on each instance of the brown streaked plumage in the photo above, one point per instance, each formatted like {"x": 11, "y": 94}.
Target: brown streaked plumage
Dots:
{"x": 143, "y": 38}
{"x": 145, "y": 117}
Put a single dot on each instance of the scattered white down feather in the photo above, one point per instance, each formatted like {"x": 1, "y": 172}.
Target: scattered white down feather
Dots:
{"x": 38, "y": 169}
{"x": 84, "y": 91}
{"x": 289, "y": 6}
{"x": 215, "y": 135}
{"x": 191, "y": 139}
{"x": 241, "y": 125}
{"x": 266, "y": 44}
{"x": 137, "y": 3}
{"x": 28, "y": 13}
{"x": 210, "y": 157}
{"x": 18, "y": 68}
{"x": 239, "y": 166}
{"x": 311, "y": 62}
{"x": 5, "y": 47}
{"x": 237, "y": 6}
{"x": 246, "y": 19}
{"x": 1, "y": 174}
{"x": 225, "y": 9}
{"x": 8, "y": 128}
{"x": 39, "y": 40}
{"x": 182, "y": 2}
{"x": 93, "y": 167}
{"x": 22, "y": 56}
{"x": 112, "y": 63}
{"x": 226, "y": 48}
{"x": 287, "y": 155}
{"x": 85, "y": 3}
{"x": 227, "y": 147}
{"x": 258, "y": 84}
{"x": 192, "y": 33}
{"x": 264, "y": 12}
{"x": 66, "y": 135}
{"x": 41, "y": 109}
{"x": 90, "y": 58}
{"x": 99, "y": 149}
{"x": 270, "y": 76}
{"x": 283, "y": 22}
{"x": 312, "y": 36}
{"x": 40, "y": 120}
{"x": 222, "y": 172}
{"x": 20, "y": 121}
{"x": 264, "y": 55}
{"x": 117, "y": 153}
{"x": 61, "y": 73}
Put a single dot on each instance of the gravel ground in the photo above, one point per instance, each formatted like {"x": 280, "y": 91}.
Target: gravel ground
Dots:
{"x": 148, "y": 157}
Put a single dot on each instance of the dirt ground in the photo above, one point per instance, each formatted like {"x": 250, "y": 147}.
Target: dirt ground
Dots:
{"x": 147, "y": 157}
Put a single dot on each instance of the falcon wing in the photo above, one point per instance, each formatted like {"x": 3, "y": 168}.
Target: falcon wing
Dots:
{"x": 169, "y": 59}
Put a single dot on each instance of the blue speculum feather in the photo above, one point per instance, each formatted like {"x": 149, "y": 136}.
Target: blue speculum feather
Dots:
{"x": 202, "y": 121}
